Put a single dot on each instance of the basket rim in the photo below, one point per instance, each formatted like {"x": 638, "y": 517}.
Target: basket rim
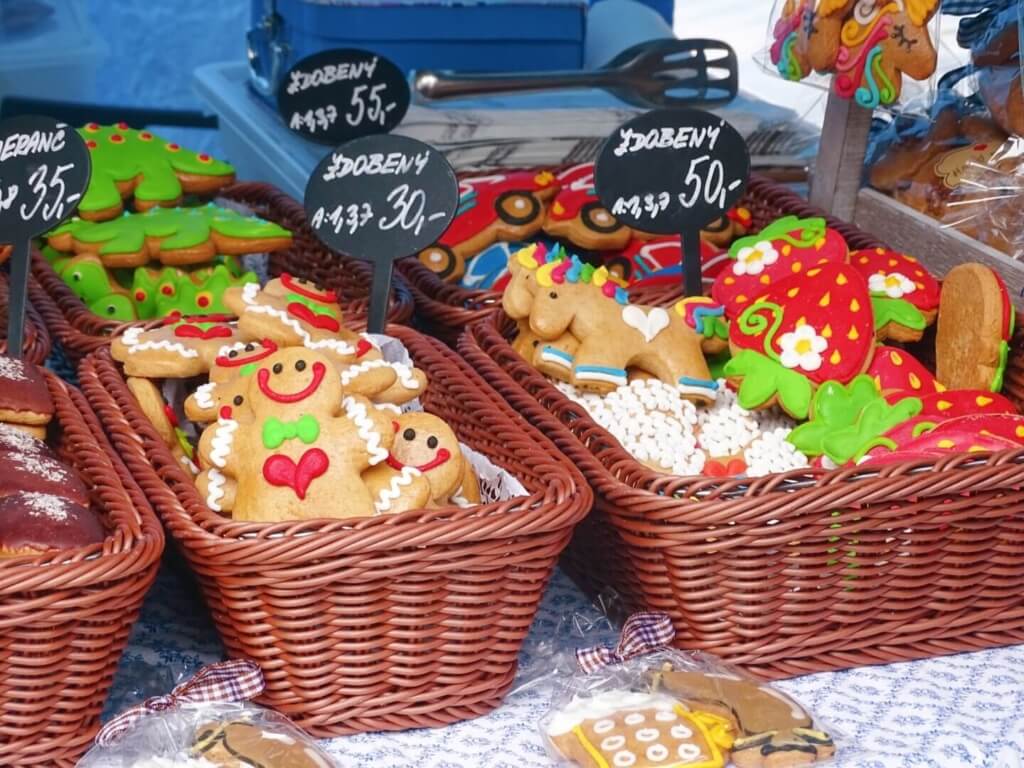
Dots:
{"x": 564, "y": 499}
{"x": 706, "y": 501}
{"x": 136, "y": 540}
{"x": 37, "y": 340}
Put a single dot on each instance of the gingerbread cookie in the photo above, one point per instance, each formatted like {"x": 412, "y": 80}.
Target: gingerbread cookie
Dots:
{"x": 789, "y": 246}
{"x": 805, "y": 330}
{"x": 507, "y": 207}
{"x": 975, "y": 325}
{"x": 806, "y": 38}
{"x": 562, "y": 295}
{"x": 174, "y": 236}
{"x": 86, "y": 276}
{"x": 141, "y": 165}
{"x": 1000, "y": 89}
{"x": 179, "y": 349}
{"x": 25, "y": 401}
{"x": 577, "y": 215}
{"x": 930, "y": 446}
{"x": 238, "y": 744}
{"x": 771, "y": 730}
{"x": 300, "y": 448}
{"x": 917, "y": 149}
{"x": 962, "y": 402}
{"x": 164, "y": 420}
{"x": 638, "y": 730}
{"x": 896, "y": 370}
{"x": 904, "y": 295}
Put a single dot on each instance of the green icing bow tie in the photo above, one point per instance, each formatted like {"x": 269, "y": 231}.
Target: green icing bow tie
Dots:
{"x": 314, "y": 306}
{"x": 275, "y": 431}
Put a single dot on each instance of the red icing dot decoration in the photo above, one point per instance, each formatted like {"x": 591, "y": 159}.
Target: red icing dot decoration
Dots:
{"x": 90, "y": 144}
{"x": 172, "y": 147}
{"x": 116, "y": 138}
{"x": 92, "y": 127}
{"x": 205, "y": 158}
{"x": 225, "y": 412}
{"x": 140, "y": 295}
{"x": 146, "y": 136}
{"x": 123, "y": 126}
{"x": 167, "y": 290}
{"x": 203, "y": 300}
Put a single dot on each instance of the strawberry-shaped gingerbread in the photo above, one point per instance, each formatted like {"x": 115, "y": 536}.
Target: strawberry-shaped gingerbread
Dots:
{"x": 141, "y": 165}
{"x": 787, "y": 247}
{"x": 934, "y": 446}
{"x": 896, "y": 370}
{"x": 904, "y": 295}
{"x": 425, "y": 468}
{"x": 807, "y": 329}
{"x": 963, "y": 402}
{"x": 180, "y": 348}
{"x": 301, "y": 448}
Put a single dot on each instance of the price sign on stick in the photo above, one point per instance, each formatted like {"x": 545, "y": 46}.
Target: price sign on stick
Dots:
{"x": 381, "y": 198}
{"x": 673, "y": 171}
{"x": 44, "y": 170}
{"x": 342, "y": 94}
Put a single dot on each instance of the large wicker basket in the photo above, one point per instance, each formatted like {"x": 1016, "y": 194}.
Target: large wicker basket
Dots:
{"x": 793, "y": 573}
{"x": 444, "y": 309}
{"x": 387, "y": 623}
{"x": 79, "y": 331}
{"x": 65, "y": 618}
{"x": 36, "y": 345}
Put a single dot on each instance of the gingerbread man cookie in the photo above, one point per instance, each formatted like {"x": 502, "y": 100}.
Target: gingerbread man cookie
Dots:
{"x": 141, "y": 165}
{"x": 806, "y": 38}
{"x": 181, "y": 348}
{"x": 164, "y": 420}
{"x": 300, "y": 449}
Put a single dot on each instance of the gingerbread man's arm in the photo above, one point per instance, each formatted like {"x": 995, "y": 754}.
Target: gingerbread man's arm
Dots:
{"x": 217, "y": 489}
{"x": 221, "y": 445}
{"x": 374, "y": 430}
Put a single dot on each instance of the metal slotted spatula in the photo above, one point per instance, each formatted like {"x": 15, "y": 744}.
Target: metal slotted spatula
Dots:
{"x": 657, "y": 73}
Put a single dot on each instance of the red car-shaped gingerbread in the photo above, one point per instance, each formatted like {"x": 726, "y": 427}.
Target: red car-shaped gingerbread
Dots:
{"x": 579, "y": 218}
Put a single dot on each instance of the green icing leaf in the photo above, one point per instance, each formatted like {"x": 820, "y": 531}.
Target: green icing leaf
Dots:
{"x": 1004, "y": 356}
{"x": 717, "y": 364}
{"x": 763, "y": 378}
{"x": 177, "y": 227}
{"x": 847, "y": 420}
{"x": 898, "y": 312}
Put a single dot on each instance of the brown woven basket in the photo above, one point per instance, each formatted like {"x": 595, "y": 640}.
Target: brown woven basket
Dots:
{"x": 65, "y": 617}
{"x": 798, "y": 572}
{"x": 37, "y": 343}
{"x": 79, "y": 331}
{"x": 386, "y": 623}
{"x": 444, "y": 309}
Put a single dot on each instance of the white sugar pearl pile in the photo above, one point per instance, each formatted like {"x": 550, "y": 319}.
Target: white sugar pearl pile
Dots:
{"x": 725, "y": 428}
{"x": 772, "y": 452}
{"x": 652, "y": 422}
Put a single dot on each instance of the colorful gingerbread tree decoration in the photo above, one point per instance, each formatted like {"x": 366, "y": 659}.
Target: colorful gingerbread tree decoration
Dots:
{"x": 904, "y": 295}
{"x": 789, "y": 246}
{"x": 807, "y": 329}
{"x": 140, "y": 164}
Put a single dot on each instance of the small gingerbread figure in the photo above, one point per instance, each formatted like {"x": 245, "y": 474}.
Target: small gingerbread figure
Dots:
{"x": 300, "y": 450}
{"x": 181, "y": 348}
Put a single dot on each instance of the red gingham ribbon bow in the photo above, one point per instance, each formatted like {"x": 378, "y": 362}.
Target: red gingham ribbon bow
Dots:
{"x": 224, "y": 681}
{"x": 643, "y": 632}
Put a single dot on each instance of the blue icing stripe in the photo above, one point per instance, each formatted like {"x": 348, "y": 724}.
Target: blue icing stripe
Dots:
{"x": 573, "y": 273}
{"x": 701, "y": 315}
{"x": 558, "y": 353}
{"x": 600, "y": 370}
{"x": 686, "y": 381}
{"x": 871, "y": 96}
{"x": 621, "y": 296}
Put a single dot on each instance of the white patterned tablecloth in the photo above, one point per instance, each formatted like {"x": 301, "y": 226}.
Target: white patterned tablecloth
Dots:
{"x": 962, "y": 711}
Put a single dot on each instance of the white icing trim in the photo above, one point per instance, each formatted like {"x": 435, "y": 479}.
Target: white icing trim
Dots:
{"x": 227, "y": 349}
{"x": 389, "y": 407}
{"x": 249, "y": 293}
{"x": 131, "y": 340}
{"x": 390, "y": 494}
{"x": 459, "y": 500}
{"x": 354, "y": 371}
{"x": 547, "y": 356}
{"x": 204, "y": 396}
{"x": 364, "y": 424}
{"x": 337, "y": 345}
{"x": 605, "y": 704}
{"x": 405, "y": 377}
{"x": 610, "y": 378}
{"x": 222, "y": 439}
{"x": 215, "y": 489}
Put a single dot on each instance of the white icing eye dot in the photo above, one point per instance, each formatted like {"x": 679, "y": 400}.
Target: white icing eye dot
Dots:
{"x": 435, "y": 257}
{"x": 634, "y": 719}
{"x": 667, "y": 716}
{"x": 519, "y": 203}
{"x": 647, "y": 734}
{"x": 603, "y": 726}
{"x": 681, "y": 732}
{"x": 688, "y": 752}
{"x": 624, "y": 759}
{"x": 613, "y": 743}
{"x": 657, "y": 752}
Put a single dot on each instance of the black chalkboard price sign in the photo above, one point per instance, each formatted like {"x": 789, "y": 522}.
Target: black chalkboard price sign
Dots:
{"x": 342, "y": 94}
{"x": 381, "y": 198}
{"x": 44, "y": 170}
{"x": 673, "y": 171}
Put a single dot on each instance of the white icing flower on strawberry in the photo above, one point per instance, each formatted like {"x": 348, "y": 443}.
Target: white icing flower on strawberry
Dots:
{"x": 753, "y": 260}
{"x": 894, "y": 285}
{"x": 802, "y": 348}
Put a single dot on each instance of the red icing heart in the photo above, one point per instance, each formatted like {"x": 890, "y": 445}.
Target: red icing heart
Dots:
{"x": 282, "y": 471}
{"x": 308, "y": 316}
{"x": 362, "y": 347}
{"x": 925, "y": 295}
{"x": 833, "y": 300}
{"x": 195, "y": 332}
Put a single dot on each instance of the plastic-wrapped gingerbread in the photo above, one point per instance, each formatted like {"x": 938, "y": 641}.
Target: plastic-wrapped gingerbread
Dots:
{"x": 301, "y": 450}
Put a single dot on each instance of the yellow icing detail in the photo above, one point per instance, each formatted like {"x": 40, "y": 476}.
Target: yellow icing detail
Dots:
{"x": 987, "y": 433}
{"x": 729, "y": 280}
{"x": 896, "y": 357}
{"x": 825, "y": 300}
{"x": 908, "y": 257}
{"x": 543, "y": 178}
{"x": 544, "y": 274}
{"x": 801, "y": 321}
{"x": 797, "y": 266}
{"x": 919, "y": 286}
{"x": 943, "y": 405}
{"x": 558, "y": 209}
{"x": 525, "y": 256}
{"x": 915, "y": 382}
{"x": 716, "y": 732}
{"x": 863, "y": 259}
{"x": 893, "y": 263}
{"x": 854, "y": 305}
{"x": 819, "y": 243}
{"x": 786, "y": 250}
{"x": 976, "y": 449}
{"x": 803, "y": 346}
{"x": 601, "y": 276}
{"x": 940, "y": 387}
{"x": 1019, "y": 431}
{"x": 945, "y": 443}
{"x": 792, "y": 292}
{"x": 594, "y": 752}
{"x": 841, "y": 279}
{"x": 741, "y": 299}
{"x": 836, "y": 358}
{"x": 813, "y": 272}
{"x": 878, "y": 383}
{"x": 879, "y": 251}
{"x": 853, "y": 335}
{"x": 826, "y": 332}
{"x": 764, "y": 280}
{"x": 982, "y": 401}
{"x": 762, "y": 297}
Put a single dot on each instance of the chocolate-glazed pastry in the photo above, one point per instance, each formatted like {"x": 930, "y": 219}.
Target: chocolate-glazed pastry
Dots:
{"x": 38, "y": 473}
{"x": 24, "y": 396}
{"x": 14, "y": 440}
{"x": 32, "y": 523}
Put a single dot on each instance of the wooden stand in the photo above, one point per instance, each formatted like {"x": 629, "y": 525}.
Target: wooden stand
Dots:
{"x": 836, "y": 188}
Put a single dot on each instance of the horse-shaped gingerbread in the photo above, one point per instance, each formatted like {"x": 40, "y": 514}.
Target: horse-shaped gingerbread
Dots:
{"x": 559, "y": 294}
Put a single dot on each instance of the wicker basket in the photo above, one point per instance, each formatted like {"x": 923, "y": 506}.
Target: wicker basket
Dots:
{"x": 79, "y": 331}
{"x": 793, "y": 573}
{"x": 37, "y": 343}
{"x": 65, "y": 618}
{"x": 444, "y": 309}
{"x": 393, "y": 622}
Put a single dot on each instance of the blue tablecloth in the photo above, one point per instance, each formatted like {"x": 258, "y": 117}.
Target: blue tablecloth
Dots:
{"x": 961, "y": 711}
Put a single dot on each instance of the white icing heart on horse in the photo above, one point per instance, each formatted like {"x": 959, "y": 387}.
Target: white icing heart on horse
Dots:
{"x": 649, "y": 323}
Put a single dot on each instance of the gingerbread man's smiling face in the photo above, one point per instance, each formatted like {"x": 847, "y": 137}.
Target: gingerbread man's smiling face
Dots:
{"x": 294, "y": 380}
{"x": 425, "y": 442}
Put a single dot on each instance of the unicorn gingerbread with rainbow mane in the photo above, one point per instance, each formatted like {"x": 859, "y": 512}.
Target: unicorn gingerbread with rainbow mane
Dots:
{"x": 558, "y": 294}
